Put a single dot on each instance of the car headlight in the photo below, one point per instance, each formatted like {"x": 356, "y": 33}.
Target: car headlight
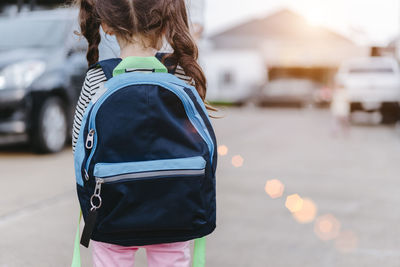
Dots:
{"x": 20, "y": 75}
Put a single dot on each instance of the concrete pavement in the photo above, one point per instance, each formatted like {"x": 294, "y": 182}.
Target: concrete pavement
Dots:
{"x": 355, "y": 180}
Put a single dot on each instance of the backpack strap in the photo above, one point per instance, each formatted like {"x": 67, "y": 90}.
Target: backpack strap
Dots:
{"x": 171, "y": 66}
{"x": 76, "y": 257}
{"x": 199, "y": 252}
{"x": 107, "y": 66}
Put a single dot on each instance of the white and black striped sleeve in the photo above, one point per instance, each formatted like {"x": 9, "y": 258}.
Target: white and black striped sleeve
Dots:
{"x": 94, "y": 78}
{"x": 180, "y": 73}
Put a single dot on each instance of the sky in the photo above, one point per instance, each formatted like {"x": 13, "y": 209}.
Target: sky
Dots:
{"x": 372, "y": 22}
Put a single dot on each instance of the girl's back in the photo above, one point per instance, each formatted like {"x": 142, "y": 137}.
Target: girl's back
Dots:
{"x": 143, "y": 143}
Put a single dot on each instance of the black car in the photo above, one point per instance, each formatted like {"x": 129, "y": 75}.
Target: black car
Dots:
{"x": 42, "y": 67}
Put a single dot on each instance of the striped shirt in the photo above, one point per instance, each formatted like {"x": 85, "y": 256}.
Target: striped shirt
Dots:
{"x": 94, "y": 78}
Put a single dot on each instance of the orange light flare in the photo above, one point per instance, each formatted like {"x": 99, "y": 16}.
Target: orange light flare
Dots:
{"x": 294, "y": 203}
{"x": 237, "y": 161}
{"x": 222, "y": 150}
{"x": 307, "y": 212}
{"x": 274, "y": 188}
{"x": 346, "y": 242}
{"x": 327, "y": 227}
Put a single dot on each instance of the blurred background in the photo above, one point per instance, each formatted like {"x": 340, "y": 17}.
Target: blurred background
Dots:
{"x": 309, "y": 136}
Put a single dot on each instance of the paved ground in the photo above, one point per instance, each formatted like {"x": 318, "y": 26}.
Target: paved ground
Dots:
{"x": 355, "y": 180}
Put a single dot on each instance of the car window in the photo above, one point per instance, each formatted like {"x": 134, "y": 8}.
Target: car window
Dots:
{"x": 32, "y": 33}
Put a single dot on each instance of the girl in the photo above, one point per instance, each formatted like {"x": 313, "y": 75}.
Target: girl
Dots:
{"x": 140, "y": 27}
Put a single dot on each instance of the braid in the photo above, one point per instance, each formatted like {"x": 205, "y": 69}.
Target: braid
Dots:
{"x": 187, "y": 55}
{"x": 90, "y": 29}
{"x": 185, "y": 49}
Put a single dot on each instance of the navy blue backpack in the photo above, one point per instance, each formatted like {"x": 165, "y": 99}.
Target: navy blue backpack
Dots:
{"x": 145, "y": 160}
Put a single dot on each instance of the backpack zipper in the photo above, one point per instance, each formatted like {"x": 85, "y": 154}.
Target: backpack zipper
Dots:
{"x": 137, "y": 176}
{"x": 89, "y": 139}
{"x": 152, "y": 174}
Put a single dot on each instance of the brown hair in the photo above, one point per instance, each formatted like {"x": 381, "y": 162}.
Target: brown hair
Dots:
{"x": 150, "y": 20}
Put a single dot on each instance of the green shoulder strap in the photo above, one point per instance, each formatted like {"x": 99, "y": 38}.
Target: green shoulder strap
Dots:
{"x": 76, "y": 258}
{"x": 199, "y": 252}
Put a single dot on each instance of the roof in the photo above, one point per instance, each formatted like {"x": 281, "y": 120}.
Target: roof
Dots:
{"x": 284, "y": 24}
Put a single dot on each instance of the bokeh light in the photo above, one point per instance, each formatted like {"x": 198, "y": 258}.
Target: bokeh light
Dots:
{"x": 294, "y": 203}
{"x": 307, "y": 212}
{"x": 274, "y": 188}
{"x": 222, "y": 150}
{"x": 327, "y": 227}
{"x": 237, "y": 161}
{"x": 346, "y": 242}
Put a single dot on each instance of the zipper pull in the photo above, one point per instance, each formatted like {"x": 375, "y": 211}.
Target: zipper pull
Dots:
{"x": 86, "y": 175}
{"x": 89, "y": 139}
{"x": 90, "y": 220}
{"x": 97, "y": 191}
{"x": 96, "y": 195}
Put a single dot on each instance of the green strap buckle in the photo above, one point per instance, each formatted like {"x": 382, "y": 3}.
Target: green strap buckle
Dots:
{"x": 139, "y": 63}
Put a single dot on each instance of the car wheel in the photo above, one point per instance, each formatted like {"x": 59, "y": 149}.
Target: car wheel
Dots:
{"x": 355, "y": 107}
{"x": 390, "y": 113}
{"x": 389, "y": 118}
{"x": 50, "y": 131}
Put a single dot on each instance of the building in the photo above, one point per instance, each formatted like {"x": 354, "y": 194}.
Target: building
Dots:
{"x": 393, "y": 48}
{"x": 291, "y": 46}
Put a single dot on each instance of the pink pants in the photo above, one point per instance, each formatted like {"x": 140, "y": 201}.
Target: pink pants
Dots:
{"x": 161, "y": 255}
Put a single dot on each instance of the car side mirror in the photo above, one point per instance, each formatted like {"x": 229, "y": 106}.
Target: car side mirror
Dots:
{"x": 75, "y": 50}
{"x": 71, "y": 52}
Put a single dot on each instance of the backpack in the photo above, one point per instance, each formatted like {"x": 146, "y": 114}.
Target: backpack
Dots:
{"x": 145, "y": 160}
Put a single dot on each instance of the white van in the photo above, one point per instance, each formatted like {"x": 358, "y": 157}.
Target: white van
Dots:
{"x": 372, "y": 84}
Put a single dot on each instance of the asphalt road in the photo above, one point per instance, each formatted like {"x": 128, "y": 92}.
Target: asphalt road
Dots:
{"x": 353, "y": 183}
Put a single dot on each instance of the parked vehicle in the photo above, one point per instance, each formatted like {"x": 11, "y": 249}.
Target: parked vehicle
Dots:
{"x": 42, "y": 67}
{"x": 372, "y": 84}
{"x": 233, "y": 76}
{"x": 289, "y": 91}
